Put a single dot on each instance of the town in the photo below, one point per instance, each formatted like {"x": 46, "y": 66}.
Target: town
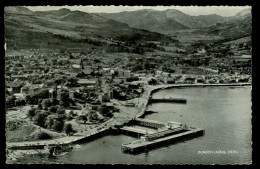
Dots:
{"x": 76, "y": 89}
{"x": 70, "y": 77}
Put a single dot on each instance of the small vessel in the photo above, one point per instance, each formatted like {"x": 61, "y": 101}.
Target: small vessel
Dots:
{"x": 150, "y": 112}
{"x": 58, "y": 150}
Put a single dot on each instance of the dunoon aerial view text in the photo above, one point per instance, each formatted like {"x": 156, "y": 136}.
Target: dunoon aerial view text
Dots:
{"x": 128, "y": 84}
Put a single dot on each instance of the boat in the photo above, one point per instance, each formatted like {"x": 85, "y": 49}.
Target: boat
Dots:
{"x": 59, "y": 150}
{"x": 150, "y": 112}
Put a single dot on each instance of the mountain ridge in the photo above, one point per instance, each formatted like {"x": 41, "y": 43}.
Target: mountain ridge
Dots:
{"x": 170, "y": 20}
{"x": 56, "y": 27}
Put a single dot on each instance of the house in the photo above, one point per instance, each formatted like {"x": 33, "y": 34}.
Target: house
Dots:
{"x": 208, "y": 70}
{"x": 86, "y": 82}
{"x": 14, "y": 57}
{"x": 158, "y": 73}
{"x": 124, "y": 73}
{"x": 75, "y": 69}
{"x": 170, "y": 81}
{"x": 19, "y": 77}
{"x": 14, "y": 87}
{"x": 105, "y": 97}
{"x": 243, "y": 58}
{"x": 199, "y": 80}
{"x": 165, "y": 74}
{"x": 189, "y": 79}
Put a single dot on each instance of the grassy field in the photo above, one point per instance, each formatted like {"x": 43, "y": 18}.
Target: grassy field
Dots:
{"x": 240, "y": 40}
{"x": 172, "y": 48}
{"x": 193, "y": 38}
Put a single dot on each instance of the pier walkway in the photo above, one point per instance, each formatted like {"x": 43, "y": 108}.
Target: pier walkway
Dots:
{"x": 136, "y": 130}
{"x": 149, "y": 123}
{"x": 140, "y": 145}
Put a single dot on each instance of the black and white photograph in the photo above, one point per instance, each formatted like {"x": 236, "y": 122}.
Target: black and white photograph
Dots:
{"x": 169, "y": 85}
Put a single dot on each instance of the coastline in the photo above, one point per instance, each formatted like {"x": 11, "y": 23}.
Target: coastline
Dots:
{"x": 145, "y": 99}
{"x": 198, "y": 85}
{"x": 155, "y": 88}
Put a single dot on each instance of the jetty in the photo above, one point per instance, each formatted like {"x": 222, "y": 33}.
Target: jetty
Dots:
{"x": 165, "y": 100}
{"x": 145, "y": 143}
{"x": 162, "y": 133}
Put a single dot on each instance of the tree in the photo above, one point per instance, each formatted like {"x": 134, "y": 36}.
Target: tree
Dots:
{"x": 46, "y": 70}
{"x": 49, "y": 122}
{"x": 46, "y": 103}
{"x": 82, "y": 117}
{"x": 64, "y": 98}
{"x": 58, "y": 126}
{"x": 31, "y": 113}
{"x": 60, "y": 110}
{"x": 68, "y": 129}
{"x": 92, "y": 116}
{"x": 10, "y": 101}
{"x": 40, "y": 106}
{"x": 45, "y": 113}
{"x": 152, "y": 82}
{"x": 19, "y": 102}
{"x": 54, "y": 101}
{"x": 7, "y": 93}
{"x": 39, "y": 119}
{"x": 105, "y": 111}
{"x": 71, "y": 113}
{"x": 72, "y": 82}
{"x": 43, "y": 136}
{"x": 53, "y": 109}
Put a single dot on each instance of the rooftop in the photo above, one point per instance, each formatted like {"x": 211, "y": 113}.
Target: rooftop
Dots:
{"x": 86, "y": 81}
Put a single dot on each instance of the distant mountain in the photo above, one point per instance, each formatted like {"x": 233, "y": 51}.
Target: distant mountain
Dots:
{"x": 65, "y": 14}
{"x": 166, "y": 21}
{"x": 244, "y": 12}
{"x": 169, "y": 21}
{"x": 239, "y": 27}
{"x": 211, "y": 19}
{"x": 65, "y": 27}
{"x": 17, "y": 10}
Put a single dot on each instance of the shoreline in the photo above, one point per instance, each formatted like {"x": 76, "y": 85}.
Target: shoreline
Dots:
{"x": 160, "y": 87}
{"x": 150, "y": 90}
{"x": 155, "y": 88}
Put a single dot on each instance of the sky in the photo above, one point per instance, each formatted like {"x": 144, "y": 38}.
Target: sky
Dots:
{"x": 190, "y": 10}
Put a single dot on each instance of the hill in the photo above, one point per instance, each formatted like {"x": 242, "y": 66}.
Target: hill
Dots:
{"x": 211, "y": 19}
{"x": 17, "y": 10}
{"x": 165, "y": 22}
{"x": 244, "y": 12}
{"x": 65, "y": 28}
{"x": 170, "y": 21}
{"x": 237, "y": 28}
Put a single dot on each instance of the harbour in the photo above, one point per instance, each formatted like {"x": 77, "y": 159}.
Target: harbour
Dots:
{"x": 223, "y": 125}
{"x": 90, "y": 136}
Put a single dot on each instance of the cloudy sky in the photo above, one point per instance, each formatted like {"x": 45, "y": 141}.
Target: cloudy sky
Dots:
{"x": 191, "y": 10}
